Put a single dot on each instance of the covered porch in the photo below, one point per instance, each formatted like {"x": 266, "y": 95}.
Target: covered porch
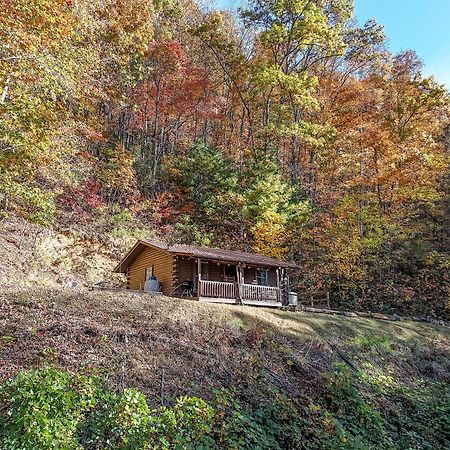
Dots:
{"x": 229, "y": 282}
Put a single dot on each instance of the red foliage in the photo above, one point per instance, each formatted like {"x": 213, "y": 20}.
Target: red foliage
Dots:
{"x": 167, "y": 56}
{"x": 175, "y": 92}
{"x": 92, "y": 194}
{"x": 168, "y": 205}
{"x": 84, "y": 200}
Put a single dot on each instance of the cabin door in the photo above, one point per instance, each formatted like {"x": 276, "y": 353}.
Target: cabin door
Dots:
{"x": 205, "y": 272}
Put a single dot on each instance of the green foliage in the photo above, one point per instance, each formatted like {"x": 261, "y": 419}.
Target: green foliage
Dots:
{"x": 31, "y": 202}
{"x": 126, "y": 422}
{"x": 274, "y": 426}
{"x": 258, "y": 203}
{"x": 373, "y": 411}
{"x": 118, "y": 421}
{"x": 53, "y": 409}
{"x": 49, "y": 408}
{"x": 192, "y": 232}
{"x": 272, "y": 208}
{"x": 43, "y": 408}
{"x": 187, "y": 425}
{"x": 355, "y": 413}
{"x": 239, "y": 429}
{"x": 207, "y": 177}
{"x": 368, "y": 342}
{"x": 209, "y": 184}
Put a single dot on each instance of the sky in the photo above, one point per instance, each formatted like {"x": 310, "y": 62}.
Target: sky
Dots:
{"x": 420, "y": 25}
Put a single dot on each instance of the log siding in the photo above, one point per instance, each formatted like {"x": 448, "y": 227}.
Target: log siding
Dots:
{"x": 163, "y": 268}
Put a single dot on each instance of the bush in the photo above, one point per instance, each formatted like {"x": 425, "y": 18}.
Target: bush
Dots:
{"x": 273, "y": 426}
{"x": 30, "y": 202}
{"x": 53, "y": 409}
{"x": 118, "y": 422}
{"x": 125, "y": 422}
{"x": 41, "y": 409}
{"x": 371, "y": 413}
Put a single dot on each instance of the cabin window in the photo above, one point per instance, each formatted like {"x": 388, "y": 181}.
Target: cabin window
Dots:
{"x": 148, "y": 272}
{"x": 262, "y": 277}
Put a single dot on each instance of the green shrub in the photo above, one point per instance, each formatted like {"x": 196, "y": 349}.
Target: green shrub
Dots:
{"x": 118, "y": 422}
{"x": 41, "y": 409}
{"x": 356, "y": 417}
{"x": 239, "y": 429}
{"x": 53, "y": 409}
{"x": 188, "y": 425}
{"x": 31, "y": 202}
{"x": 372, "y": 411}
{"x": 275, "y": 425}
{"x": 370, "y": 342}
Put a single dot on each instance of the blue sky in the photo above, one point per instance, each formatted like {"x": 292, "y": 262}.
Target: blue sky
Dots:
{"x": 420, "y": 25}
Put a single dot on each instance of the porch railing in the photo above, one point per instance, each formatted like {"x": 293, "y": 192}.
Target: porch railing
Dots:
{"x": 260, "y": 293}
{"x": 218, "y": 289}
{"x": 249, "y": 292}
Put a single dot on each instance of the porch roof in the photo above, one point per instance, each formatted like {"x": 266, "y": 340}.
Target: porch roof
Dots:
{"x": 230, "y": 256}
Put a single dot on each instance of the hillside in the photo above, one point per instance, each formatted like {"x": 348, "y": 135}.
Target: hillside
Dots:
{"x": 285, "y": 128}
{"x": 33, "y": 255}
{"x": 168, "y": 348}
{"x": 344, "y": 380}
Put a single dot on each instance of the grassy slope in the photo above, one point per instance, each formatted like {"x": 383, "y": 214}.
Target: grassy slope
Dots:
{"x": 170, "y": 347}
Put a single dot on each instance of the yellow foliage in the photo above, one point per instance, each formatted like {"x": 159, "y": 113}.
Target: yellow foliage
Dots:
{"x": 270, "y": 235}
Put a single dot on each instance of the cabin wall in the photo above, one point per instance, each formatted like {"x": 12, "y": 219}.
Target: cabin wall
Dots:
{"x": 184, "y": 271}
{"x": 215, "y": 272}
{"x": 250, "y": 276}
{"x": 272, "y": 277}
{"x": 163, "y": 269}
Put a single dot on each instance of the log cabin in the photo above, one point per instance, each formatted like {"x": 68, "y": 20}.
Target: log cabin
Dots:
{"x": 207, "y": 274}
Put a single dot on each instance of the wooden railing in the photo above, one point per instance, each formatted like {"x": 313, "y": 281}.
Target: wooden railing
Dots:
{"x": 260, "y": 293}
{"x": 248, "y": 292}
{"x": 218, "y": 289}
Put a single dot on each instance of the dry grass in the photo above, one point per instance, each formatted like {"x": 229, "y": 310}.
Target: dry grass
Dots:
{"x": 34, "y": 256}
{"x": 170, "y": 347}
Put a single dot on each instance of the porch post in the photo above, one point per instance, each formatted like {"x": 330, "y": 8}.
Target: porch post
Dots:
{"x": 288, "y": 288}
{"x": 278, "y": 285}
{"x": 239, "y": 277}
{"x": 199, "y": 276}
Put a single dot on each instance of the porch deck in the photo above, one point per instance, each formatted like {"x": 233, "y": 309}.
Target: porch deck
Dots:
{"x": 234, "y": 292}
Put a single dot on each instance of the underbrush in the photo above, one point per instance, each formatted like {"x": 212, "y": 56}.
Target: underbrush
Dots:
{"x": 51, "y": 408}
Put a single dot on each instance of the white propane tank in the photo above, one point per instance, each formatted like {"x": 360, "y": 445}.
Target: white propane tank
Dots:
{"x": 293, "y": 299}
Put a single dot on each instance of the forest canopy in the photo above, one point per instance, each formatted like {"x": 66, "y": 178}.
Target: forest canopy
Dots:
{"x": 287, "y": 129}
